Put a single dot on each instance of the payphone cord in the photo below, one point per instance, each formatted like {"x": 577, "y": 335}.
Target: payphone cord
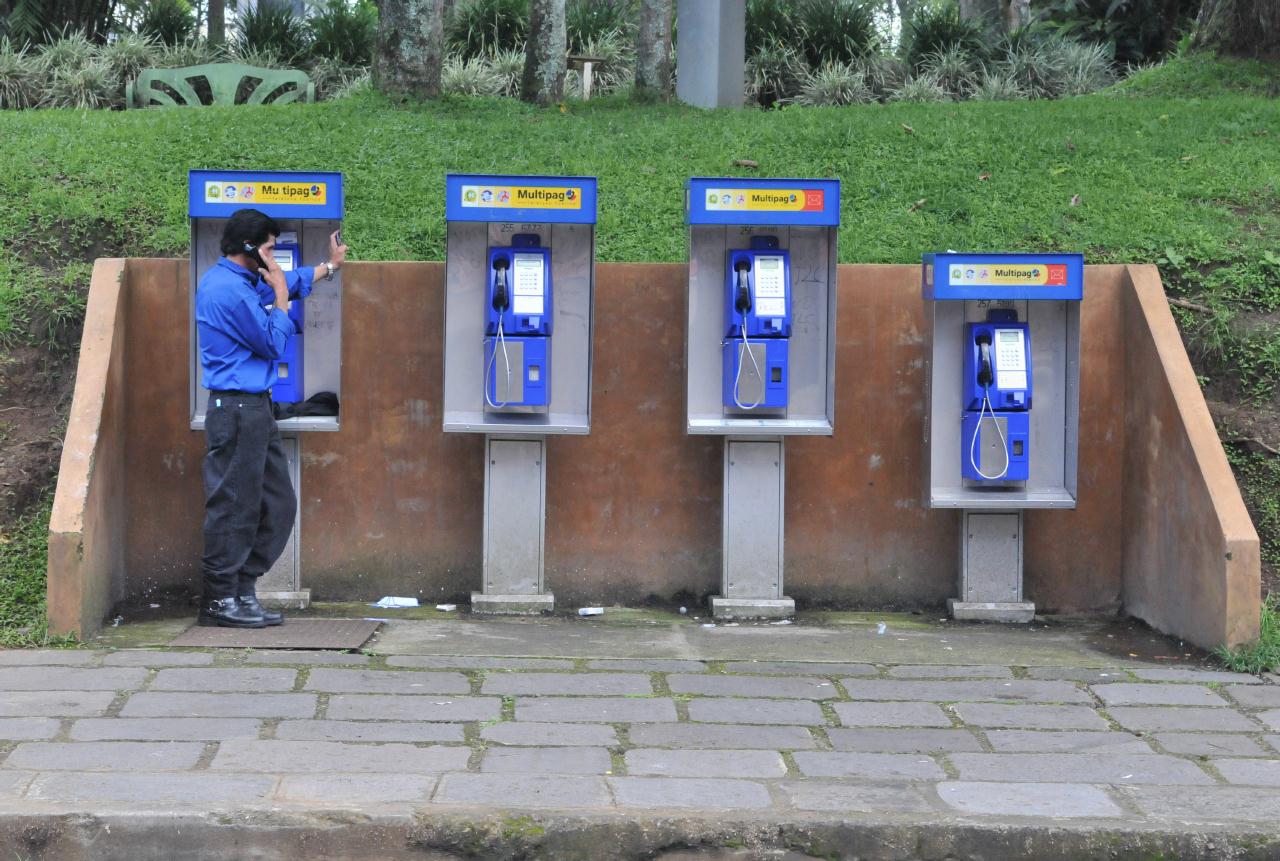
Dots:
{"x": 737, "y": 380}
{"x": 506, "y": 360}
{"x": 973, "y": 441}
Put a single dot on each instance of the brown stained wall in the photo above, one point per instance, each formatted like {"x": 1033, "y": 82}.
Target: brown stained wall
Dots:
{"x": 392, "y": 505}
{"x": 1192, "y": 559}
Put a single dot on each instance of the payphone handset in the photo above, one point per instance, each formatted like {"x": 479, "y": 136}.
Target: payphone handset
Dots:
{"x": 757, "y": 324}
{"x": 997, "y": 384}
{"x": 289, "y": 385}
{"x": 517, "y": 327}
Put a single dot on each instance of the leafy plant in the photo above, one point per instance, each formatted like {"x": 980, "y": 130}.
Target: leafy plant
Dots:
{"x": 129, "y": 54}
{"x": 263, "y": 58}
{"x": 470, "y": 77}
{"x": 836, "y": 84}
{"x": 72, "y": 50}
{"x": 1087, "y": 68}
{"x": 587, "y": 21}
{"x": 167, "y": 21}
{"x": 334, "y": 76}
{"x": 508, "y": 64}
{"x": 769, "y": 22}
{"x": 997, "y": 86}
{"x": 18, "y": 77}
{"x": 88, "y": 86}
{"x": 193, "y": 52}
{"x": 1263, "y": 655}
{"x": 955, "y": 69}
{"x": 617, "y": 71}
{"x": 479, "y": 27}
{"x": 775, "y": 74}
{"x": 272, "y": 27}
{"x": 22, "y": 580}
{"x": 1039, "y": 71}
{"x": 922, "y": 87}
{"x": 343, "y": 31}
{"x": 936, "y": 28}
{"x": 884, "y": 74}
{"x": 1138, "y": 31}
{"x": 836, "y": 31}
{"x": 355, "y": 87}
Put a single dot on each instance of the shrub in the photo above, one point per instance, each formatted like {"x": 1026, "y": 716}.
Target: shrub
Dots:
{"x": 775, "y": 73}
{"x": 344, "y": 32}
{"x": 90, "y": 85}
{"x": 771, "y": 21}
{"x": 333, "y": 76}
{"x": 997, "y": 86}
{"x": 922, "y": 87}
{"x": 167, "y": 21}
{"x": 954, "y": 68}
{"x": 617, "y": 72}
{"x": 68, "y": 52}
{"x": 933, "y": 29}
{"x": 508, "y": 64}
{"x": 193, "y": 52}
{"x": 262, "y": 58}
{"x": 272, "y": 28}
{"x": 884, "y": 74}
{"x": 1138, "y": 31}
{"x": 470, "y": 77}
{"x": 836, "y": 84}
{"x": 1038, "y": 71}
{"x": 18, "y": 77}
{"x": 1087, "y": 68}
{"x": 836, "y": 31}
{"x": 587, "y": 21}
{"x": 479, "y": 27}
{"x": 355, "y": 87}
{"x": 129, "y": 54}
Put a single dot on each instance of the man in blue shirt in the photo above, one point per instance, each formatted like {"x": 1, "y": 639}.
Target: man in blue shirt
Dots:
{"x": 243, "y": 324}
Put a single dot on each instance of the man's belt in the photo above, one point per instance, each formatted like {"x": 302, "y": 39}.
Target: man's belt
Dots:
{"x": 233, "y": 393}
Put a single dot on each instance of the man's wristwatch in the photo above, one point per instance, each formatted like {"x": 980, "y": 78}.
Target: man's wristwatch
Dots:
{"x": 332, "y": 269}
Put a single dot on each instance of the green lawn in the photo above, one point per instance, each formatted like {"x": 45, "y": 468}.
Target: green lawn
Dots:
{"x": 1180, "y": 166}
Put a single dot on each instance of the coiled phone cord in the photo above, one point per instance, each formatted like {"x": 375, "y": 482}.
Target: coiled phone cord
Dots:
{"x": 737, "y": 380}
{"x": 973, "y": 441}
{"x": 506, "y": 360}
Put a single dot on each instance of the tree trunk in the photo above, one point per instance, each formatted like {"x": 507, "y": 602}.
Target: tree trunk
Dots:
{"x": 1017, "y": 14}
{"x": 653, "y": 50}
{"x": 217, "y": 22}
{"x": 410, "y": 48}
{"x": 1243, "y": 28}
{"x": 988, "y": 12}
{"x": 545, "y": 54}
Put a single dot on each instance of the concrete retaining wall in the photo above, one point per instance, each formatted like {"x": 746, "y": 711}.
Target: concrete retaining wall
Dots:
{"x": 391, "y": 505}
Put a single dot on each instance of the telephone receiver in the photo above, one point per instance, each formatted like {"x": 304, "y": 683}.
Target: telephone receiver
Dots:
{"x": 501, "y": 302}
{"x": 252, "y": 251}
{"x": 985, "y": 376}
{"x": 742, "y": 299}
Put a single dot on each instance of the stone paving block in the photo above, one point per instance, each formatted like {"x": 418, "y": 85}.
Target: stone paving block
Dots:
{"x": 363, "y": 788}
{"x": 28, "y": 728}
{"x": 153, "y": 658}
{"x": 722, "y": 736}
{"x": 1251, "y": 772}
{"x": 976, "y": 690}
{"x": 395, "y": 707}
{"x": 594, "y": 710}
{"x": 164, "y": 729}
{"x": 1079, "y": 768}
{"x": 1262, "y": 696}
{"x": 70, "y": 679}
{"x": 387, "y": 682}
{"x": 1155, "y": 718}
{"x": 975, "y": 671}
{"x": 1035, "y": 741}
{"x": 903, "y": 740}
{"x": 566, "y": 684}
{"x": 743, "y": 711}
{"x": 305, "y": 757}
{"x": 748, "y": 686}
{"x": 1179, "y": 674}
{"x": 552, "y": 734}
{"x": 701, "y": 793}
{"x": 447, "y": 662}
{"x": 518, "y": 791}
{"x": 705, "y": 763}
{"x": 104, "y": 756}
{"x": 1080, "y": 674}
{"x": 341, "y": 730}
{"x": 1056, "y": 800}
{"x": 1030, "y": 716}
{"x": 891, "y": 714}
{"x": 546, "y": 760}
{"x": 54, "y": 703}
{"x": 286, "y": 656}
{"x": 251, "y": 679}
{"x": 47, "y": 657}
{"x": 1212, "y": 803}
{"x": 1270, "y": 718}
{"x": 14, "y": 783}
{"x": 164, "y": 704}
{"x": 875, "y": 765}
{"x": 654, "y": 666}
{"x": 1210, "y": 744}
{"x": 800, "y": 668}
{"x": 173, "y": 788}
{"x": 837, "y": 797}
{"x": 1124, "y": 694}
{"x": 1273, "y": 740}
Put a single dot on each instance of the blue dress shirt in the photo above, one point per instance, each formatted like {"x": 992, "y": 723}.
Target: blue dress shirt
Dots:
{"x": 240, "y": 340}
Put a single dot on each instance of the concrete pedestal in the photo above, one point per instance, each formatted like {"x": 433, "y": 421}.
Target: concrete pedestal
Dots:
{"x": 991, "y": 568}
{"x": 752, "y": 532}
{"x": 515, "y": 491}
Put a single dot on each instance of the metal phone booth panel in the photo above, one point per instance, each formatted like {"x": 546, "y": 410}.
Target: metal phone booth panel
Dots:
{"x": 760, "y": 358}
{"x": 1002, "y": 417}
{"x": 519, "y": 299}
{"x": 308, "y": 207}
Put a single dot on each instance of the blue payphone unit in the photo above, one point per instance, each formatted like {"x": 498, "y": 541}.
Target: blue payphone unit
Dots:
{"x": 997, "y": 398}
{"x": 289, "y": 387}
{"x": 757, "y": 325}
{"x": 517, "y": 324}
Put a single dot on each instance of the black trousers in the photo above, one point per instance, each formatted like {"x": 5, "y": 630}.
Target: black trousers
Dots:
{"x": 249, "y": 502}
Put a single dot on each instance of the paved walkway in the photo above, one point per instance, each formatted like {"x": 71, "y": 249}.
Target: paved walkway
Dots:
{"x": 445, "y": 737}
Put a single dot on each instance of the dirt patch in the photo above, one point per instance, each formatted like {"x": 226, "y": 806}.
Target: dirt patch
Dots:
{"x": 35, "y": 396}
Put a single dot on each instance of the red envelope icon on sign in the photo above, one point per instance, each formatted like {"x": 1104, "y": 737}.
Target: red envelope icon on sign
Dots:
{"x": 813, "y": 200}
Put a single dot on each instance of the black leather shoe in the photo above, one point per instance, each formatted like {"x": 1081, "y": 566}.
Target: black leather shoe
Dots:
{"x": 250, "y": 603}
{"x": 229, "y": 613}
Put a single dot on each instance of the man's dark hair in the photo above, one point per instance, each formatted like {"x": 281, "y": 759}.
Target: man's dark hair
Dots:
{"x": 247, "y": 225}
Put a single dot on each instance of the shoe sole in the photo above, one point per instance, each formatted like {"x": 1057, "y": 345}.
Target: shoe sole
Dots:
{"x": 214, "y": 623}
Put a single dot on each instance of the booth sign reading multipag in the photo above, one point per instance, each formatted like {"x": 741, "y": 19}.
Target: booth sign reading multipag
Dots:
{"x": 766, "y": 199}
{"x": 521, "y": 196}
